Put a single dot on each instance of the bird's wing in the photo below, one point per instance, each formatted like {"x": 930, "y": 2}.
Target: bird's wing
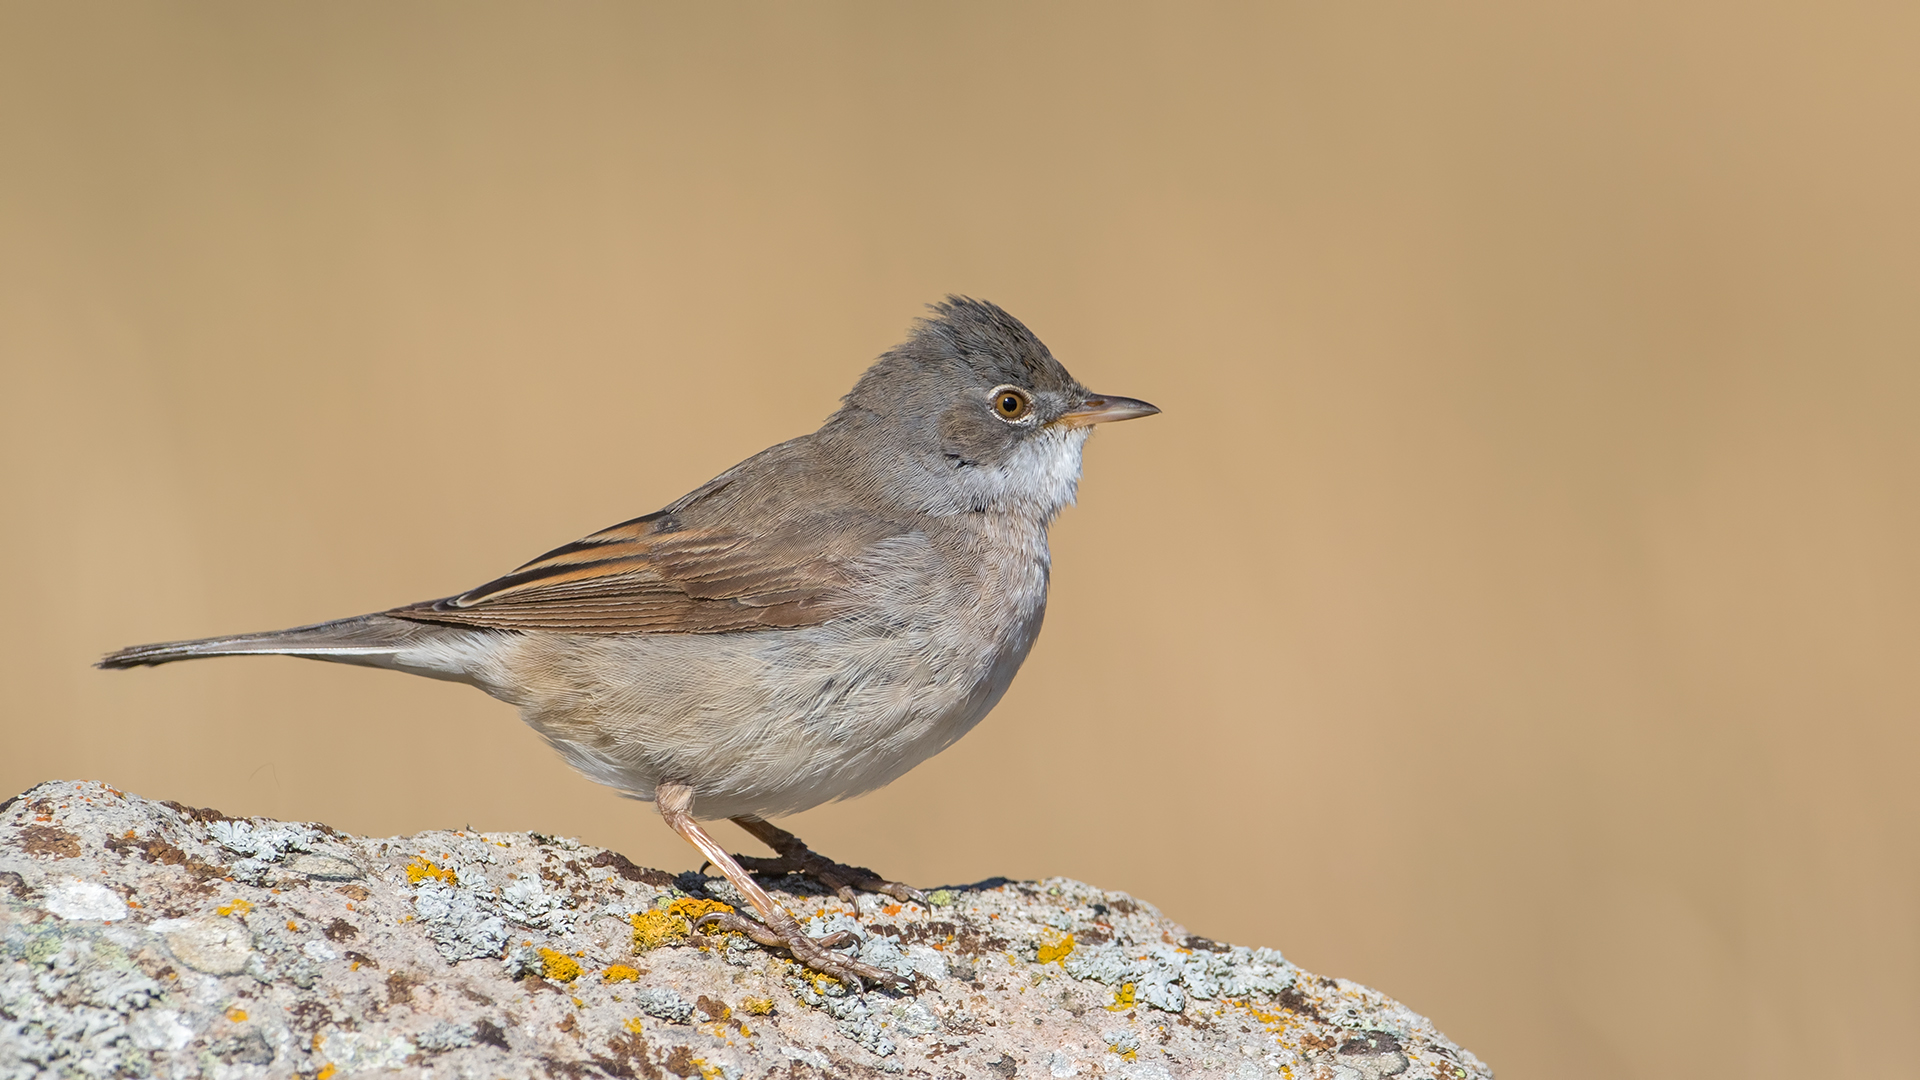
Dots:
{"x": 652, "y": 575}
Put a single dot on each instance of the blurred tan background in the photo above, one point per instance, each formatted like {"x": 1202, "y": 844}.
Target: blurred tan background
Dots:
{"x": 1514, "y": 609}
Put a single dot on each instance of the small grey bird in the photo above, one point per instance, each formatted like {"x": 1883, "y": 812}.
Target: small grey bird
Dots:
{"x": 807, "y": 626}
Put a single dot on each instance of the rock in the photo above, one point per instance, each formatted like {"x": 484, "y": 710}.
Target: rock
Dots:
{"x": 85, "y": 900}
{"x": 217, "y": 946}
{"x": 145, "y": 938}
{"x": 324, "y": 868}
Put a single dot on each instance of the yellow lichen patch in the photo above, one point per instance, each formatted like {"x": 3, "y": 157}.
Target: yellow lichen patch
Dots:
{"x": 688, "y": 908}
{"x": 1128, "y": 1054}
{"x": 1053, "y": 952}
{"x": 620, "y": 973}
{"x": 821, "y": 982}
{"x": 652, "y": 929}
{"x": 235, "y": 906}
{"x": 1122, "y": 998}
{"x": 758, "y": 1006}
{"x": 1275, "y": 1022}
{"x": 420, "y": 870}
{"x": 558, "y": 966}
{"x": 633, "y": 1024}
{"x": 671, "y": 924}
{"x": 237, "y": 1014}
{"x": 326, "y": 1072}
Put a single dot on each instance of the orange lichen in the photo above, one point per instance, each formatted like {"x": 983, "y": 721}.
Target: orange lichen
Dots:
{"x": 326, "y": 1072}
{"x": 558, "y": 966}
{"x": 620, "y": 973}
{"x": 235, "y": 906}
{"x": 420, "y": 870}
{"x": 237, "y": 1014}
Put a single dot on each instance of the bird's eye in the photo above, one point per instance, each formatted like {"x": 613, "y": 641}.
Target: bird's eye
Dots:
{"x": 1011, "y": 403}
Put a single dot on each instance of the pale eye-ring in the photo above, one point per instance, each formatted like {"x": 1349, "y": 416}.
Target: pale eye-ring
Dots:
{"x": 1011, "y": 403}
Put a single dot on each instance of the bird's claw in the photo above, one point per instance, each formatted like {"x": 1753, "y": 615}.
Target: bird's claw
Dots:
{"x": 813, "y": 952}
{"x": 740, "y": 924}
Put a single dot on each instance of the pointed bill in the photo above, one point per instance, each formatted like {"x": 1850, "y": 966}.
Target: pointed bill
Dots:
{"x": 1105, "y": 409}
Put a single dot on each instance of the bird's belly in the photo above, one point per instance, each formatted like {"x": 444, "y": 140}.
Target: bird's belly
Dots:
{"x": 773, "y": 722}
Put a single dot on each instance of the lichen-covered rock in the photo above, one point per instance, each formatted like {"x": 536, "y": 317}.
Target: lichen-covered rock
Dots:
{"x": 151, "y": 939}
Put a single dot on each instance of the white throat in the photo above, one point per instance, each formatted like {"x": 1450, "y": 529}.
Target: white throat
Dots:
{"x": 1037, "y": 480}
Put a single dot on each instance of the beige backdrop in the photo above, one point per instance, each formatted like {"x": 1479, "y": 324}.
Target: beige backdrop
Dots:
{"x": 1514, "y": 609}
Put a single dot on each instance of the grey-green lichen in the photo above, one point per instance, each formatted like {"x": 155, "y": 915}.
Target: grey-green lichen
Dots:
{"x": 1165, "y": 976}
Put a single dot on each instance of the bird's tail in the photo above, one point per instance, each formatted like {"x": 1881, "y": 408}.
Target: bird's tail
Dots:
{"x": 373, "y": 640}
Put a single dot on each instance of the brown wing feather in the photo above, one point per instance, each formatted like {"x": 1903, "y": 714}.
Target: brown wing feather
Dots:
{"x": 650, "y": 576}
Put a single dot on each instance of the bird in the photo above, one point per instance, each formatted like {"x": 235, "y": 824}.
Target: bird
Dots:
{"x": 805, "y": 627}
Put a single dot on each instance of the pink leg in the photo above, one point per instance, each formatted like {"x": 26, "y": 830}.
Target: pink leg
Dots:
{"x": 776, "y": 927}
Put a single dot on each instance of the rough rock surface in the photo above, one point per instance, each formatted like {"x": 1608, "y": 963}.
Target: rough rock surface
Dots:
{"x": 142, "y": 938}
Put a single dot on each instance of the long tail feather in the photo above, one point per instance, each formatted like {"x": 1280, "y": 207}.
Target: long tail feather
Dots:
{"x": 367, "y": 639}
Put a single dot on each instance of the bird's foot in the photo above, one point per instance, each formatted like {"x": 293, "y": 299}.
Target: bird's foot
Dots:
{"x": 797, "y": 858}
{"x": 782, "y": 931}
{"x": 839, "y": 877}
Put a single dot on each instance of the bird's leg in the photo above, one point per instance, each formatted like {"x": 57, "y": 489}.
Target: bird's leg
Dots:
{"x": 797, "y": 858}
{"x": 776, "y": 927}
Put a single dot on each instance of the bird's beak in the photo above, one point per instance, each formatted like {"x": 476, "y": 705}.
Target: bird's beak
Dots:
{"x": 1105, "y": 409}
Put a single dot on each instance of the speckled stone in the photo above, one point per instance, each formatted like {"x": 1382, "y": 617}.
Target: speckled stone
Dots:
{"x": 141, "y": 938}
